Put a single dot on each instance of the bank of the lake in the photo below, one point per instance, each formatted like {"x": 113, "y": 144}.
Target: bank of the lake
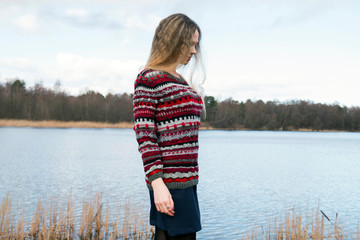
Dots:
{"x": 88, "y": 124}
{"x": 62, "y": 124}
{"x": 58, "y": 220}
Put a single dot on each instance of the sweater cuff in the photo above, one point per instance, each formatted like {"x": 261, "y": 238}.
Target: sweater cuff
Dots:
{"x": 155, "y": 176}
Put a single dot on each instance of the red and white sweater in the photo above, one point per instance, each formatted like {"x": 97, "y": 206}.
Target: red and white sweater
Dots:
{"x": 167, "y": 119}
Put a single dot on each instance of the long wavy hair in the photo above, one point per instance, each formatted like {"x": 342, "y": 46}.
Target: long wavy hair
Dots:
{"x": 171, "y": 44}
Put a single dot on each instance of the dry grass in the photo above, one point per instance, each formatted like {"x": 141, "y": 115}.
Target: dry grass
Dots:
{"x": 59, "y": 221}
{"x": 60, "y": 124}
{"x": 73, "y": 124}
{"x": 87, "y": 124}
{"x": 298, "y": 226}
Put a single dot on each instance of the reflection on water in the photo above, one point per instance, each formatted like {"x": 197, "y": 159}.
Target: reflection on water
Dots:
{"x": 246, "y": 177}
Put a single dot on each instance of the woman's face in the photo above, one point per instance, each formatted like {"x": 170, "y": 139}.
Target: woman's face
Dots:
{"x": 194, "y": 42}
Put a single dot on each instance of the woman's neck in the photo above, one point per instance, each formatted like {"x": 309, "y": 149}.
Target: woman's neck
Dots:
{"x": 171, "y": 69}
{"x": 174, "y": 73}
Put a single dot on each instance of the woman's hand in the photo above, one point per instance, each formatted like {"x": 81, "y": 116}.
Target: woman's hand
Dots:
{"x": 162, "y": 197}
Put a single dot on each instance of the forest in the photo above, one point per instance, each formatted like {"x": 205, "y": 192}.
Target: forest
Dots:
{"x": 40, "y": 103}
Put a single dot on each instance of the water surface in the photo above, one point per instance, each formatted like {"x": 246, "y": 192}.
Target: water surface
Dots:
{"x": 246, "y": 177}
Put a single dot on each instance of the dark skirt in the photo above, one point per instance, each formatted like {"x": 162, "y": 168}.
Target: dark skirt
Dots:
{"x": 187, "y": 213}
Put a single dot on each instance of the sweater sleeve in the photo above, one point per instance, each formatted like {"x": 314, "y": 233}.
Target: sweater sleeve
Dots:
{"x": 144, "y": 106}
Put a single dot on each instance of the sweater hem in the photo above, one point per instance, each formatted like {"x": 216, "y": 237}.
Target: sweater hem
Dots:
{"x": 178, "y": 185}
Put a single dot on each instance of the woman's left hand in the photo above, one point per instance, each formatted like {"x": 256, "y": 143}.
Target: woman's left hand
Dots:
{"x": 162, "y": 197}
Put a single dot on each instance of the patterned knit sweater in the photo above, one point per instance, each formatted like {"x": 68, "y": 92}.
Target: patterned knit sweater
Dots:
{"x": 167, "y": 119}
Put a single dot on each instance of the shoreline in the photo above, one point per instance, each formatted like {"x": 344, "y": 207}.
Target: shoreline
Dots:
{"x": 58, "y": 220}
{"x": 62, "y": 124}
{"x": 129, "y": 125}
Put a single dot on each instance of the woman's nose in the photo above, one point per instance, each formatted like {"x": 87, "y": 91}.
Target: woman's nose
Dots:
{"x": 193, "y": 50}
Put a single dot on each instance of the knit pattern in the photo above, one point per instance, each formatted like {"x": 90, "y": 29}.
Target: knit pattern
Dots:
{"x": 167, "y": 119}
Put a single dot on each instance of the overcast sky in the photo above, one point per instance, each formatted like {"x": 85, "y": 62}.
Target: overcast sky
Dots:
{"x": 253, "y": 49}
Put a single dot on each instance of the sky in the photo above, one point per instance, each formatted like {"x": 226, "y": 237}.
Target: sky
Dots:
{"x": 252, "y": 49}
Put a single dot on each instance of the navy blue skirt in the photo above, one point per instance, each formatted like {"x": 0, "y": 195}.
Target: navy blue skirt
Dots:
{"x": 187, "y": 213}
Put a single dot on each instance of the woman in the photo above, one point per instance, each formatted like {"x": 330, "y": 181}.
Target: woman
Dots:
{"x": 167, "y": 117}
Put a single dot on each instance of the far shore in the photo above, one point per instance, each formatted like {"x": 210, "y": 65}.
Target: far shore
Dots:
{"x": 88, "y": 124}
{"x": 62, "y": 124}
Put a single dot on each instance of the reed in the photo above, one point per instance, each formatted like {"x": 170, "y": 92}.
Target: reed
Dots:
{"x": 61, "y": 124}
{"x": 58, "y": 221}
{"x": 62, "y": 220}
{"x": 73, "y": 124}
{"x": 88, "y": 124}
{"x": 300, "y": 226}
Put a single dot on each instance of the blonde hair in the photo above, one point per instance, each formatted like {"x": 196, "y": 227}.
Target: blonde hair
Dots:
{"x": 171, "y": 44}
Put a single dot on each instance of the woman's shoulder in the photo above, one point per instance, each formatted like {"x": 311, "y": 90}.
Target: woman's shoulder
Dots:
{"x": 154, "y": 77}
{"x": 151, "y": 74}
{"x": 151, "y": 78}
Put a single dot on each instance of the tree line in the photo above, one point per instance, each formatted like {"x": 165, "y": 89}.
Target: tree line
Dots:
{"x": 41, "y": 103}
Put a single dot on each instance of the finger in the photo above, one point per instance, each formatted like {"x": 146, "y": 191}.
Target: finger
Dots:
{"x": 162, "y": 209}
{"x": 157, "y": 207}
{"x": 165, "y": 208}
{"x": 170, "y": 213}
{"x": 170, "y": 210}
{"x": 172, "y": 206}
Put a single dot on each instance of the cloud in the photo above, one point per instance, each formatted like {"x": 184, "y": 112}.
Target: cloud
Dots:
{"x": 27, "y": 22}
{"x": 112, "y": 19}
{"x": 17, "y": 68}
{"x": 22, "y": 64}
{"x": 282, "y": 13}
{"x": 147, "y": 22}
{"x": 108, "y": 16}
{"x": 76, "y": 72}
{"x": 77, "y": 13}
{"x": 38, "y": 2}
{"x": 84, "y": 18}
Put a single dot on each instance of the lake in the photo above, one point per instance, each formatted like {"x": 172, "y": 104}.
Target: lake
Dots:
{"x": 246, "y": 177}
